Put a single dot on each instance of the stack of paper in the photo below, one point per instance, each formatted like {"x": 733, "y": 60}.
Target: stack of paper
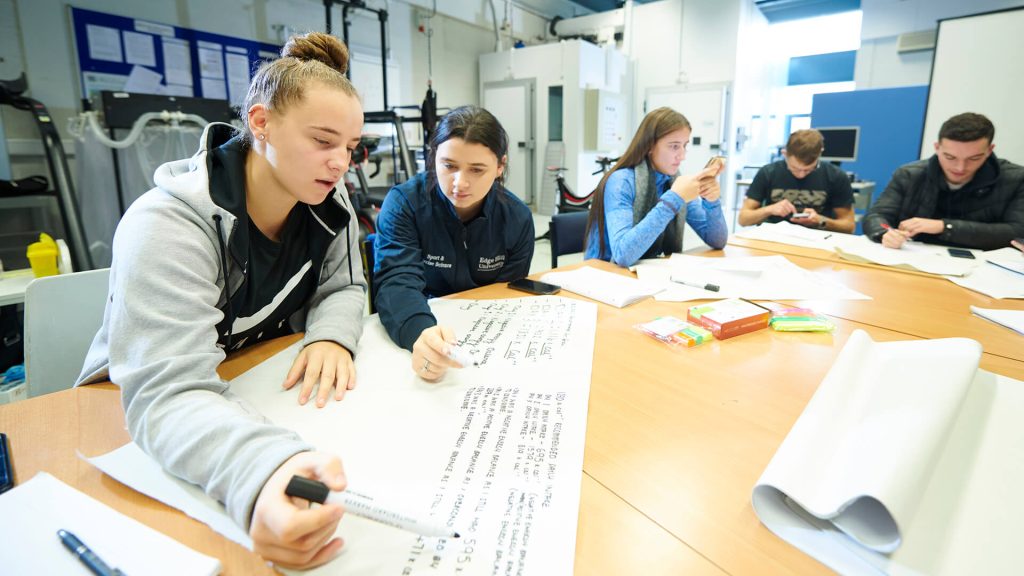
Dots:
{"x": 1001, "y": 277}
{"x": 607, "y": 287}
{"x": 33, "y": 512}
{"x": 1012, "y": 319}
{"x": 907, "y": 460}
{"x": 1008, "y": 258}
{"x": 792, "y": 234}
{"x": 918, "y": 256}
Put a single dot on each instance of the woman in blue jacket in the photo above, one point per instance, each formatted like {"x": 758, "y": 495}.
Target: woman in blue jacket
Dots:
{"x": 450, "y": 229}
{"x": 641, "y": 207}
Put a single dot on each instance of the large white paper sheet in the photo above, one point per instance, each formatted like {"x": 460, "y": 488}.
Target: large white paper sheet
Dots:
{"x": 928, "y": 258}
{"x": 753, "y": 278}
{"x": 907, "y": 460}
{"x": 496, "y": 451}
{"x": 34, "y": 511}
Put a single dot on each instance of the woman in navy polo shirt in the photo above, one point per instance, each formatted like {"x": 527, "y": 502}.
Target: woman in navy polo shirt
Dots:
{"x": 452, "y": 228}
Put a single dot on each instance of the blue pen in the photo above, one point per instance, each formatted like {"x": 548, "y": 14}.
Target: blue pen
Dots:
{"x": 86, "y": 556}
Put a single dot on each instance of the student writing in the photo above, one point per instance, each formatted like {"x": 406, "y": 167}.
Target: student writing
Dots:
{"x": 450, "y": 229}
{"x": 247, "y": 240}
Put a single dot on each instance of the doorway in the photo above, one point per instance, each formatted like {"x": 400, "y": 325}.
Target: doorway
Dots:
{"x": 511, "y": 102}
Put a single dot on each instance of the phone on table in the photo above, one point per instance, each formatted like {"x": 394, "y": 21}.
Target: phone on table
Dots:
{"x": 533, "y": 286}
{"x": 960, "y": 253}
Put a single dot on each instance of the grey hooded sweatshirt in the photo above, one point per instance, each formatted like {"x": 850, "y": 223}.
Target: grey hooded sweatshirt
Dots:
{"x": 168, "y": 318}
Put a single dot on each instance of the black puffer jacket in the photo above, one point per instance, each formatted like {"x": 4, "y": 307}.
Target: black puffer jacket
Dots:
{"x": 986, "y": 213}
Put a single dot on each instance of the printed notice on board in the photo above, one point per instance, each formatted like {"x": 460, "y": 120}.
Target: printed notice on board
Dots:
{"x": 104, "y": 43}
{"x": 211, "y": 60}
{"x": 138, "y": 49}
{"x": 237, "y": 61}
{"x": 177, "y": 67}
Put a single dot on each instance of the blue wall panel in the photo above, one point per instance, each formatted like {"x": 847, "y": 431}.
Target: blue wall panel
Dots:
{"x": 890, "y": 120}
{"x": 822, "y": 68}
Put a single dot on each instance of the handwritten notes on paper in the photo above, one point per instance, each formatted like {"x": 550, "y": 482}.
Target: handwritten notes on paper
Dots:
{"x": 494, "y": 451}
{"x": 498, "y": 481}
{"x": 517, "y": 331}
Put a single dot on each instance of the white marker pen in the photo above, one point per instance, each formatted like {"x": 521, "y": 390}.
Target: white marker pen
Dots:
{"x": 462, "y": 356}
{"x": 364, "y": 506}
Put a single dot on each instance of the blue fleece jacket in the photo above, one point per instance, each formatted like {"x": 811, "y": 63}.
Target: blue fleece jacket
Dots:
{"x": 423, "y": 250}
{"x": 626, "y": 243}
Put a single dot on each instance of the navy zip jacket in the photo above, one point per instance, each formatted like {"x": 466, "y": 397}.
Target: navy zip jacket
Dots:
{"x": 423, "y": 250}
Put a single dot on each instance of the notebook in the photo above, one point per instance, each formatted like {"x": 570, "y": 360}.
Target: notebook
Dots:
{"x": 607, "y": 287}
{"x": 33, "y": 511}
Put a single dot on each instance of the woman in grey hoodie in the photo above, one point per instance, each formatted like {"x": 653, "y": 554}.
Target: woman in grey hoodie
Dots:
{"x": 250, "y": 239}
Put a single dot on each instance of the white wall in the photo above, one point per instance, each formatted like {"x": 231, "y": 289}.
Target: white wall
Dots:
{"x": 878, "y": 63}
{"x": 683, "y": 42}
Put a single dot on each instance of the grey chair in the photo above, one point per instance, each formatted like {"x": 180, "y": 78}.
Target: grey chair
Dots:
{"x": 62, "y": 315}
{"x": 567, "y": 232}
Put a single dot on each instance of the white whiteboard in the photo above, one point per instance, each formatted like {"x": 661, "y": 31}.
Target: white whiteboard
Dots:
{"x": 979, "y": 67}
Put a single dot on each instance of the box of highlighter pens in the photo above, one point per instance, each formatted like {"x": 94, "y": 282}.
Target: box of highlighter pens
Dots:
{"x": 728, "y": 318}
{"x": 799, "y": 320}
{"x": 675, "y": 332}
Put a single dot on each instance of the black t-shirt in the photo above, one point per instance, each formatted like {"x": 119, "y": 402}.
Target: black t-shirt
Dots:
{"x": 824, "y": 189}
{"x": 280, "y": 280}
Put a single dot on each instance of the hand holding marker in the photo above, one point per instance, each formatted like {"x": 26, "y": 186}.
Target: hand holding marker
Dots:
{"x": 364, "y": 506}
{"x": 462, "y": 356}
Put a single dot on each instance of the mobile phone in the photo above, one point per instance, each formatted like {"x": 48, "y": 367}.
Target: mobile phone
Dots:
{"x": 799, "y": 215}
{"x": 6, "y": 468}
{"x": 960, "y": 253}
{"x": 716, "y": 160}
{"x": 533, "y": 286}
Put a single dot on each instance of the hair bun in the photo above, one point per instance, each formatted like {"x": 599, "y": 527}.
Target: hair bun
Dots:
{"x": 318, "y": 47}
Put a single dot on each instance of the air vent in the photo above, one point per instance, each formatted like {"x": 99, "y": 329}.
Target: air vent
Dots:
{"x": 916, "y": 41}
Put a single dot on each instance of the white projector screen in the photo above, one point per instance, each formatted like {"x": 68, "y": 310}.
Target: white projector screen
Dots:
{"x": 979, "y": 67}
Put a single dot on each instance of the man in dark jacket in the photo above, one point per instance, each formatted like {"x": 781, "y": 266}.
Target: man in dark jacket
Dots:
{"x": 961, "y": 196}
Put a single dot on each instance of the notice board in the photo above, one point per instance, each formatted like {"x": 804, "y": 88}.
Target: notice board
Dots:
{"x": 131, "y": 55}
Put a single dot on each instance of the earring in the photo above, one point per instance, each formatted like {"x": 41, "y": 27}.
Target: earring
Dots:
{"x": 262, "y": 136}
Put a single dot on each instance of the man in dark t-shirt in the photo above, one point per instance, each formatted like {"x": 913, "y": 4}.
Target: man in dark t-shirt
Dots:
{"x": 801, "y": 189}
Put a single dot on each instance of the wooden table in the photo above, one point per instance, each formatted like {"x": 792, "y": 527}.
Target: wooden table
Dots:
{"x": 915, "y": 304}
{"x": 47, "y": 432}
{"x": 676, "y": 440}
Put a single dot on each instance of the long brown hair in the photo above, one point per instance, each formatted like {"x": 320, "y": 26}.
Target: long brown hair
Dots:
{"x": 658, "y": 123}
{"x": 305, "y": 58}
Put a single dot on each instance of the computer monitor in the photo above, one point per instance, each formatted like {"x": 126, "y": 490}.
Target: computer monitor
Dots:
{"x": 840, "y": 143}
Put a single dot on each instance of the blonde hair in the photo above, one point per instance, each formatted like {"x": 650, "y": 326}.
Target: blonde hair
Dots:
{"x": 305, "y": 58}
{"x": 805, "y": 145}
